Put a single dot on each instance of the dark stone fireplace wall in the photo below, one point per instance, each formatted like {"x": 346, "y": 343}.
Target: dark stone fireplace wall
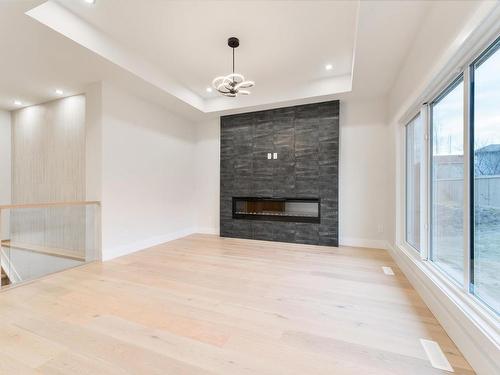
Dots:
{"x": 306, "y": 138}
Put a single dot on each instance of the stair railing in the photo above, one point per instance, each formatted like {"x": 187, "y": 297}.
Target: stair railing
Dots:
{"x": 37, "y": 239}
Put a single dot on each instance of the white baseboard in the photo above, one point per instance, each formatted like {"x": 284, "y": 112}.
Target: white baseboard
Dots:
{"x": 363, "y": 242}
{"x": 207, "y": 230}
{"x": 118, "y": 251}
{"x": 353, "y": 242}
{"x": 472, "y": 333}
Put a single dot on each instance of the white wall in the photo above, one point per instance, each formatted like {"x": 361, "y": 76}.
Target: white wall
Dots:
{"x": 5, "y": 166}
{"x": 147, "y": 174}
{"x": 365, "y": 174}
{"x": 207, "y": 175}
{"x": 432, "y": 50}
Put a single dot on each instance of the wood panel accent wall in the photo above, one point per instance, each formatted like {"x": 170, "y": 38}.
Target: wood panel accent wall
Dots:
{"x": 306, "y": 138}
{"x": 48, "y": 165}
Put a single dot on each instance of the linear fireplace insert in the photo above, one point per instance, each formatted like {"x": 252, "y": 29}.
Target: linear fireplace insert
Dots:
{"x": 302, "y": 210}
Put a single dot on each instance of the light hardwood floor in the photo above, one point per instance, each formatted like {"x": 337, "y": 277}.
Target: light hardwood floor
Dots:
{"x": 207, "y": 305}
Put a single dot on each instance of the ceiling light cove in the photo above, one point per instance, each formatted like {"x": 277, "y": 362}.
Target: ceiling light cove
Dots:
{"x": 209, "y": 89}
{"x": 59, "y": 92}
{"x": 232, "y": 84}
{"x": 124, "y": 52}
{"x": 18, "y": 102}
{"x": 328, "y": 66}
{"x": 90, "y": 1}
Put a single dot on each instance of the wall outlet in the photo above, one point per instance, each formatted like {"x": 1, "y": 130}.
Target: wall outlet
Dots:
{"x": 269, "y": 155}
{"x": 275, "y": 155}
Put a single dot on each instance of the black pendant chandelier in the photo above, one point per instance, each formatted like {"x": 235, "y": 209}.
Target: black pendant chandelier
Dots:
{"x": 232, "y": 84}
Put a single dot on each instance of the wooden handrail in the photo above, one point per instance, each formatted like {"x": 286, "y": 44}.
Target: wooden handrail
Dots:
{"x": 49, "y": 204}
{"x": 61, "y": 253}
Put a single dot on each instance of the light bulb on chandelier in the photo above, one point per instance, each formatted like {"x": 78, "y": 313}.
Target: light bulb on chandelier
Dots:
{"x": 233, "y": 84}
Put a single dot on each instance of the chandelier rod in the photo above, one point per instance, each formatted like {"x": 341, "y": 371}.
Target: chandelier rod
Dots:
{"x": 232, "y": 84}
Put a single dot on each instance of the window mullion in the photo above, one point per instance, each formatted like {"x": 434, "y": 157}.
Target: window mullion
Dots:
{"x": 424, "y": 183}
{"x": 467, "y": 181}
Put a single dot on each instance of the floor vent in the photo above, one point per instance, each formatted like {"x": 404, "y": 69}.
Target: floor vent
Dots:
{"x": 436, "y": 356}
{"x": 388, "y": 271}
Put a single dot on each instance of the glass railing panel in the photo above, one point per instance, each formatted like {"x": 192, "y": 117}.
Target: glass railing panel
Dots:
{"x": 41, "y": 239}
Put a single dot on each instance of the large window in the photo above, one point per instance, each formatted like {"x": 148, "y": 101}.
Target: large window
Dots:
{"x": 447, "y": 181}
{"x": 485, "y": 90}
{"x": 414, "y": 153}
{"x": 453, "y": 179}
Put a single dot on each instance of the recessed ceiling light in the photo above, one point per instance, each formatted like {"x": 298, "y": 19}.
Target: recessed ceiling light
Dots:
{"x": 90, "y": 1}
{"x": 328, "y": 66}
{"x": 18, "y": 102}
{"x": 59, "y": 92}
{"x": 209, "y": 89}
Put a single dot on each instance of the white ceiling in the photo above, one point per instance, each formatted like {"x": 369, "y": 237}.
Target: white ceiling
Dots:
{"x": 282, "y": 42}
{"x": 386, "y": 31}
{"x": 171, "y": 50}
{"x": 35, "y": 61}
